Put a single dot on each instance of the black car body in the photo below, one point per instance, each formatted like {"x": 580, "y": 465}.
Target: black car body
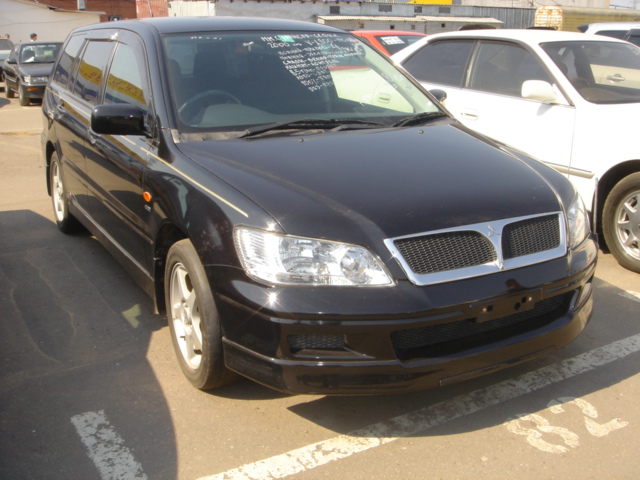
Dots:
{"x": 305, "y": 214}
{"x": 27, "y": 69}
{"x": 6, "y": 45}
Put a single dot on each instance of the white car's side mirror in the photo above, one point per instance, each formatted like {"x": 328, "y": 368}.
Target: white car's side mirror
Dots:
{"x": 539, "y": 90}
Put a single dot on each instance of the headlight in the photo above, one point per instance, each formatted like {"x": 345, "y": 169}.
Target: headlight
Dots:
{"x": 288, "y": 260}
{"x": 578, "y": 221}
{"x": 30, "y": 79}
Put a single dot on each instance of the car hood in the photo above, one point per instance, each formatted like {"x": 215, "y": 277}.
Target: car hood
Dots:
{"x": 36, "y": 69}
{"x": 395, "y": 181}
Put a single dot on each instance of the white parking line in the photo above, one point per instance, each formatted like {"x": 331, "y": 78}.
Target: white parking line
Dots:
{"x": 343, "y": 446}
{"x": 106, "y": 448}
{"x": 632, "y": 295}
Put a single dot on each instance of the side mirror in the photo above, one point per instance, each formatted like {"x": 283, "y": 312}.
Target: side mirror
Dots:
{"x": 117, "y": 119}
{"x": 539, "y": 90}
{"x": 440, "y": 95}
{"x": 11, "y": 61}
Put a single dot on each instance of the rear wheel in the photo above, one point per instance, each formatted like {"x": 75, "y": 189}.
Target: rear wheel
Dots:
{"x": 193, "y": 319}
{"x": 66, "y": 222}
{"x": 7, "y": 91}
{"x": 621, "y": 222}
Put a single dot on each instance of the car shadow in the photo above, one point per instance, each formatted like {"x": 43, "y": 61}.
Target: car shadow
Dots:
{"x": 74, "y": 333}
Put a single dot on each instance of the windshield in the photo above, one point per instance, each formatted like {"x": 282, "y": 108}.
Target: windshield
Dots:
{"x": 40, "y": 53}
{"x": 602, "y": 72}
{"x": 228, "y": 82}
{"x": 395, "y": 43}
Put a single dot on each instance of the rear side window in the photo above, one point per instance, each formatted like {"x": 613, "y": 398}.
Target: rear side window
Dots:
{"x": 633, "y": 36}
{"x": 441, "y": 62}
{"x": 91, "y": 69}
{"x": 67, "y": 58}
{"x": 611, "y": 33}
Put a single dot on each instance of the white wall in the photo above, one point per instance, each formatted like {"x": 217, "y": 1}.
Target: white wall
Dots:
{"x": 20, "y": 18}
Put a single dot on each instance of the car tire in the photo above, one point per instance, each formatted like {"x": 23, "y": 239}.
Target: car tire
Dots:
{"x": 65, "y": 221}
{"x": 22, "y": 98}
{"x": 193, "y": 319}
{"x": 621, "y": 222}
{"x": 7, "y": 90}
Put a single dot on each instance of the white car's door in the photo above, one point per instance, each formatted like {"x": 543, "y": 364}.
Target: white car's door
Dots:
{"x": 483, "y": 81}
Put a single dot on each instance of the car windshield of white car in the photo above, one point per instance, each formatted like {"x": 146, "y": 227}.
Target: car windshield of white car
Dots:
{"x": 602, "y": 72}
{"x": 236, "y": 81}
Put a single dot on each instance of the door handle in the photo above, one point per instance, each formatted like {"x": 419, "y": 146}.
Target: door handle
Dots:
{"x": 616, "y": 78}
{"x": 469, "y": 114}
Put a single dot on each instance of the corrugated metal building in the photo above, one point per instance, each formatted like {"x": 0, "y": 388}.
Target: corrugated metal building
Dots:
{"x": 419, "y": 23}
{"x": 372, "y": 15}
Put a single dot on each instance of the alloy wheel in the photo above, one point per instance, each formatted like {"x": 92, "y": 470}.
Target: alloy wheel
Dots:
{"x": 185, "y": 316}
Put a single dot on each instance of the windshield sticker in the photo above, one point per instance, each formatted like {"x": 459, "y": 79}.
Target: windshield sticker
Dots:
{"x": 310, "y": 58}
{"x": 392, "y": 41}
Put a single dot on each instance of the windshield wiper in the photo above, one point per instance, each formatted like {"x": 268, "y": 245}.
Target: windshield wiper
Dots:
{"x": 419, "y": 118}
{"x": 308, "y": 124}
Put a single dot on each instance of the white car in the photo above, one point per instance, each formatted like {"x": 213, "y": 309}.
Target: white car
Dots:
{"x": 571, "y": 100}
{"x": 629, "y": 31}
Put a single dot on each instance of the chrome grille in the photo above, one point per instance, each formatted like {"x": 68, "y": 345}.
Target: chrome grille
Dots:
{"x": 480, "y": 249}
{"x": 446, "y": 251}
{"x": 531, "y": 236}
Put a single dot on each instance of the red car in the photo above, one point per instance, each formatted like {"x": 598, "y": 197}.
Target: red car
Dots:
{"x": 389, "y": 41}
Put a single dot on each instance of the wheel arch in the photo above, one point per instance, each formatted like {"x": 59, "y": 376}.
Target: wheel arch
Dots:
{"x": 49, "y": 151}
{"x": 166, "y": 237}
{"x": 609, "y": 180}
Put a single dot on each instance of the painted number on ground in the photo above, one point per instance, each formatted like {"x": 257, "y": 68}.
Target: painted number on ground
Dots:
{"x": 537, "y": 429}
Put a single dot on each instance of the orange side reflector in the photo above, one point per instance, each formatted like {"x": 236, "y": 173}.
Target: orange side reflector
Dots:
{"x": 146, "y": 196}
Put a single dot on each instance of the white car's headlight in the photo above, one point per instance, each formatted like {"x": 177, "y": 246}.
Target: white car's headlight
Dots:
{"x": 578, "y": 221}
{"x": 288, "y": 260}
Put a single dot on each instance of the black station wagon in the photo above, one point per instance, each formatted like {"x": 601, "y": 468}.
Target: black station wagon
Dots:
{"x": 304, "y": 213}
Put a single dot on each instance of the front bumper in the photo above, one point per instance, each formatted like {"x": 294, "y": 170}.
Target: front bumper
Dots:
{"x": 405, "y": 338}
{"x": 32, "y": 91}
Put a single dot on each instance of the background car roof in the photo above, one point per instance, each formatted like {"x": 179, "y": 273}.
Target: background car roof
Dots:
{"x": 529, "y": 37}
{"x": 526, "y": 36}
{"x": 612, "y": 26}
{"x": 35, "y": 44}
{"x": 386, "y": 32}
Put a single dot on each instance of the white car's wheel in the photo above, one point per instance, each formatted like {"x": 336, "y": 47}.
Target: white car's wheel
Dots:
{"x": 621, "y": 222}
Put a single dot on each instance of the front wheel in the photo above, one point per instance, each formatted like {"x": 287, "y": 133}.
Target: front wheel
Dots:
{"x": 621, "y": 222}
{"x": 193, "y": 319}
{"x": 7, "y": 90}
{"x": 22, "y": 98}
